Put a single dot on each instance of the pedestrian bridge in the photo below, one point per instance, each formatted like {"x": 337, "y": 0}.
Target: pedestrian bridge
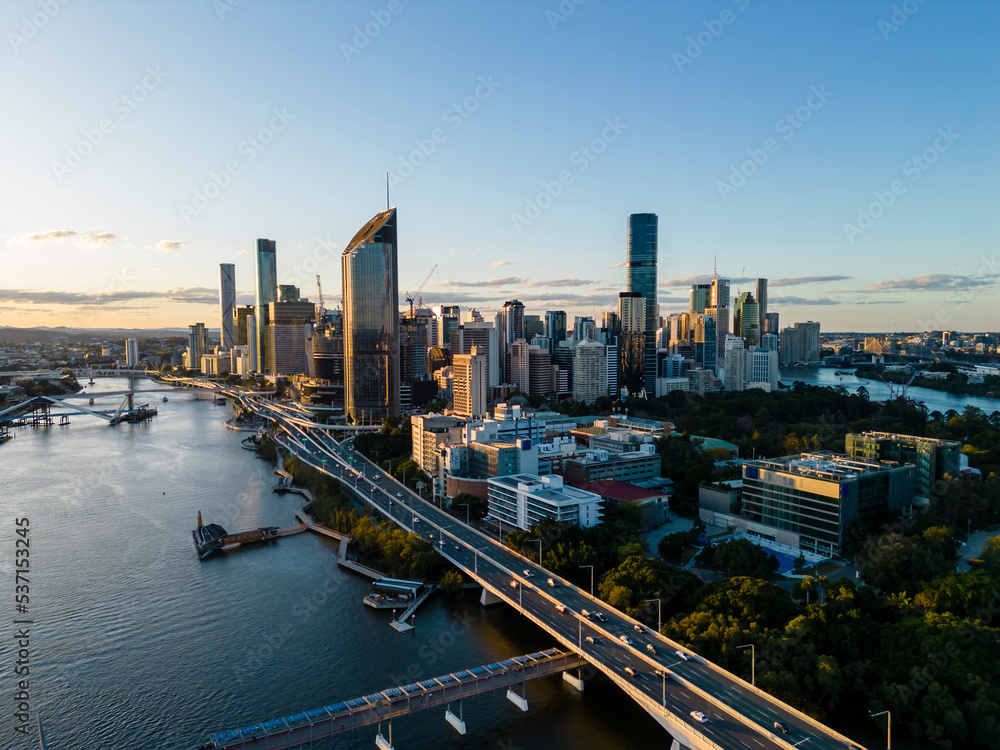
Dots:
{"x": 383, "y": 706}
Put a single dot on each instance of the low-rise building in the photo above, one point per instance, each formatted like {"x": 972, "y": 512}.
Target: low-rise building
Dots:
{"x": 653, "y": 503}
{"x": 600, "y": 464}
{"x": 934, "y": 459}
{"x": 523, "y": 500}
{"x": 430, "y": 433}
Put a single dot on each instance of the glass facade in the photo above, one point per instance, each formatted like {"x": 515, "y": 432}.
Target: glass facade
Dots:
{"x": 371, "y": 321}
{"x": 641, "y": 263}
{"x": 227, "y": 304}
{"x": 266, "y": 293}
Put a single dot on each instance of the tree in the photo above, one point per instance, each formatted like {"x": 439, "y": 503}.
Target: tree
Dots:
{"x": 451, "y": 583}
{"x": 740, "y": 557}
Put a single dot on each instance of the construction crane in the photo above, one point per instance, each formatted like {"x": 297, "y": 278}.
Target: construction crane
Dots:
{"x": 322, "y": 307}
{"x": 420, "y": 288}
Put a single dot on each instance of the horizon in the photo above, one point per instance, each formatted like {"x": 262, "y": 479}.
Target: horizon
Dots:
{"x": 515, "y": 155}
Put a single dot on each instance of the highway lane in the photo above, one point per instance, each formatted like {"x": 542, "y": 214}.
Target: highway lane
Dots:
{"x": 498, "y": 566}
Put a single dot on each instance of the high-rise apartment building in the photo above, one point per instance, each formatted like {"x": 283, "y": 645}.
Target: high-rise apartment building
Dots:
{"x": 371, "y": 320}
{"x": 470, "y": 384}
{"x": 510, "y": 327}
{"x": 197, "y": 345}
{"x": 447, "y": 319}
{"x": 131, "y": 352}
{"x": 735, "y": 364}
{"x": 701, "y": 295}
{"x": 266, "y": 292}
{"x": 704, "y": 341}
{"x": 770, "y": 324}
{"x": 483, "y": 336}
{"x": 800, "y": 343}
{"x": 241, "y": 333}
{"x": 746, "y": 319}
{"x": 227, "y": 305}
{"x": 533, "y": 326}
{"x": 762, "y": 368}
{"x": 290, "y": 323}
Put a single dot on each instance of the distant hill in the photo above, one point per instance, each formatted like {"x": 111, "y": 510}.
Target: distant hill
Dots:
{"x": 46, "y": 335}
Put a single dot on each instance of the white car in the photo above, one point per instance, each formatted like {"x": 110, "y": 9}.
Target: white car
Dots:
{"x": 699, "y": 717}
{"x": 683, "y": 655}
{"x": 527, "y": 573}
{"x": 625, "y": 639}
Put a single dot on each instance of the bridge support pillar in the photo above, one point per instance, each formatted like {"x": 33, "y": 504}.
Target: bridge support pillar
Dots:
{"x": 517, "y": 700}
{"x": 573, "y": 680}
{"x": 382, "y": 743}
{"x": 488, "y": 598}
{"x": 456, "y": 722}
{"x": 676, "y": 745}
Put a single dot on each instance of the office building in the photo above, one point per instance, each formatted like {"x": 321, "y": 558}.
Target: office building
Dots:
{"x": 704, "y": 341}
{"x": 242, "y": 316}
{"x": 524, "y": 500}
{"x": 641, "y": 259}
{"x": 227, "y": 305}
{"x": 470, "y": 384}
{"x": 746, "y": 319}
{"x": 414, "y": 341}
{"x": 446, "y": 319}
{"x": 809, "y": 501}
{"x": 555, "y": 328}
{"x": 631, "y": 466}
{"x": 265, "y": 292}
{"x": 800, "y": 343}
{"x": 933, "y": 459}
{"x": 762, "y": 369}
{"x": 718, "y": 308}
{"x": 252, "y": 342}
{"x": 771, "y": 324}
{"x": 533, "y": 327}
{"x": 483, "y": 336}
{"x": 701, "y": 295}
{"x": 760, "y": 295}
{"x": 701, "y": 381}
{"x": 631, "y": 341}
{"x": 429, "y": 434}
{"x": 769, "y": 341}
{"x": 371, "y": 321}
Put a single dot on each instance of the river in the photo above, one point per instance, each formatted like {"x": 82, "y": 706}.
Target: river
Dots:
{"x": 879, "y": 391}
{"x": 137, "y": 645}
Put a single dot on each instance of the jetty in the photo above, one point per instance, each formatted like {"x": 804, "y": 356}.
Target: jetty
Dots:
{"x": 210, "y": 538}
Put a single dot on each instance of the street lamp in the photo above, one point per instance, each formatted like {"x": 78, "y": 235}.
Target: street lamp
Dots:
{"x": 591, "y": 577}
{"x": 888, "y": 718}
{"x": 539, "y": 550}
{"x": 659, "y": 612}
{"x": 753, "y": 663}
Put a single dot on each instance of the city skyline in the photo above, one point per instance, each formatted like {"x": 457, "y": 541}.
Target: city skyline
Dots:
{"x": 777, "y": 170}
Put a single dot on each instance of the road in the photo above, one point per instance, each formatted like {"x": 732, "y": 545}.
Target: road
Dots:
{"x": 741, "y": 717}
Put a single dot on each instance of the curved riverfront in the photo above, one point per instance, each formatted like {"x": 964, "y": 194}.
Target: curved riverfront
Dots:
{"x": 139, "y": 645}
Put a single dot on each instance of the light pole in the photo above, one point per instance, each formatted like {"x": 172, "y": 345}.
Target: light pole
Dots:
{"x": 888, "y": 727}
{"x": 591, "y": 577}
{"x": 659, "y": 612}
{"x": 753, "y": 663}
{"x": 539, "y": 550}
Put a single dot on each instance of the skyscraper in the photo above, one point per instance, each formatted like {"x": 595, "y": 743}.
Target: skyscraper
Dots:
{"x": 371, "y": 320}
{"x": 471, "y": 384}
{"x": 631, "y": 341}
{"x": 590, "y": 377}
{"x": 761, "y": 297}
{"x": 227, "y": 304}
{"x": 266, "y": 292}
{"x": 700, "y": 296}
{"x": 746, "y": 319}
{"x": 641, "y": 264}
{"x": 718, "y": 308}
{"x": 510, "y": 328}
{"x": 735, "y": 364}
{"x": 555, "y": 328}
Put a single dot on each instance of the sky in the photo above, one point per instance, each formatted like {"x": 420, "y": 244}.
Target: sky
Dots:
{"x": 847, "y": 151}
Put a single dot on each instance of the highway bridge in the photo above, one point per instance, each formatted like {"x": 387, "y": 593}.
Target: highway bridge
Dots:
{"x": 701, "y": 705}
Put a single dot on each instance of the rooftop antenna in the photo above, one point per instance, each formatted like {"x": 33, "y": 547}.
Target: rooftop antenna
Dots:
{"x": 386, "y": 191}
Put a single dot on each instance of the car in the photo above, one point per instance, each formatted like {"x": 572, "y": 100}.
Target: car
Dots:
{"x": 561, "y": 607}
{"x": 590, "y": 639}
{"x": 441, "y": 542}
{"x": 513, "y": 584}
{"x": 552, "y": 582}
{"x": 683, "y": 655}
{"x": 457, "y": 548}
{"x": 699, "y": 717}
{"x": 599, "y": 616}
{"x": 662, "y": 673}
{"x": 782, "y": 727}
{"x": 391, "y": 503}
{"x": 416, "y": 520}
{"x": 527, "y": 573}
{"x": 585, "y": 613}
{"x": 651, "y": 648}
{"x": 638, "y": 628}
{"x": 630, "y": 672}
{"x": 625, "y": 639}
{"x": 399, "y": 494}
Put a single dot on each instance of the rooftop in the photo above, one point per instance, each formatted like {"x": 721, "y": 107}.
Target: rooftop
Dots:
{"x": 822, "y": 465}
{"x": 622, "y": 492}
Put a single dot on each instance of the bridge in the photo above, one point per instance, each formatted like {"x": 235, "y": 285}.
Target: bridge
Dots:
{"x": 669, "y": 682}
{"x": 377, "y": 708}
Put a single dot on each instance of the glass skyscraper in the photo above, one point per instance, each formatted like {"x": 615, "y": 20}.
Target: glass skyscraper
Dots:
{"x": 641, "y": 264}
{"x": 371, "y": 321}
{"x": 227, "y": 304}
{"x": 266, "y": 293}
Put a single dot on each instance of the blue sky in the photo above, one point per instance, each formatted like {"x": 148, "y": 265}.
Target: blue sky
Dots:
{"x": 847, "y": 151}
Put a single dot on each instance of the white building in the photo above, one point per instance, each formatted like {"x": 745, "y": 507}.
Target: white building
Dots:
{"x": 734, "y": 377}
{"x": 590, "y": 374}
{"x": 523, "y": 500}
{"x": 762, "y": 369}
{"x": 131, "y": 352}
{"x": 470, "y": 384}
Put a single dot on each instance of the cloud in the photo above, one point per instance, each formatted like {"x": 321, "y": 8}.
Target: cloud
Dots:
{"x": 168, "y": 246}
{"x": 881, "y": 302}
{"x": 499, "y": 263}
{"x": 795, "y": 281}
{"x": 931, "y": 282}
{"x": 96, "y": 239}
{"x": 801, "y": 301}
{"x": 704, "y": 278}
{"x": 557, "y": 283}
{"x": 201, "y": 295}
{"x": 622, "y": 264}
{"x": 52, "y": 234}
{"x": 503, "y": 281}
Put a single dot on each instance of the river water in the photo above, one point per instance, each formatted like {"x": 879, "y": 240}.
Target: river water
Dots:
{"x": 879, "y": 391}
{"x": 137, "y": 645}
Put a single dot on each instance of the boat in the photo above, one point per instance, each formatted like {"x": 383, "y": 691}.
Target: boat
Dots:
{"x": 164, "y": 399}
{"x": 91, "y": 402}
{"x": 219, "y": 401}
